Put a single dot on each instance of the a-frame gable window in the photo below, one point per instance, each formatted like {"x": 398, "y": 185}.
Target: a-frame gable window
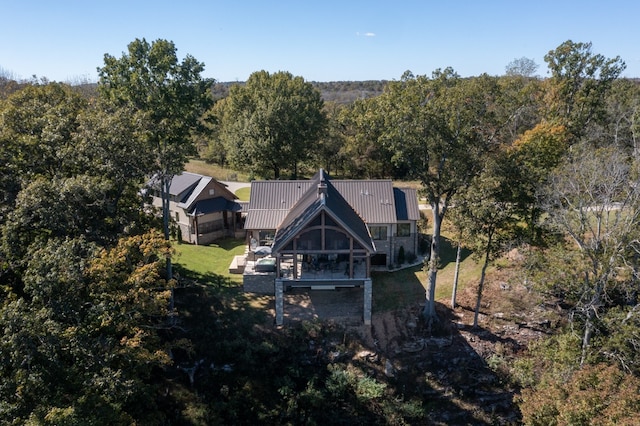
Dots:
{"x": 323, "y": 234}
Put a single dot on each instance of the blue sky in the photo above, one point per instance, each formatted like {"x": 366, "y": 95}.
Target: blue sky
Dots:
{"x": 330, "y": 40}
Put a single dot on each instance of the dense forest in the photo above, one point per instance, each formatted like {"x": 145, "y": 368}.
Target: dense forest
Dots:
{"x": 538, "y": 178}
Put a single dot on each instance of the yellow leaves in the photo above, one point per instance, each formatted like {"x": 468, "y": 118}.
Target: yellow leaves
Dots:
{"x": 595, "y": 394}
{"x": 128, "y": 287}
{"x": 545, "y": 134}
{"x": 542, "y": 147}
{"x": 135, "y": 260}
{"x": 134, "y": 341}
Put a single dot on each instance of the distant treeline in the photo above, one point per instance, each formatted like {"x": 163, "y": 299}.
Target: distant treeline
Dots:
{"x": 341, "y": 92}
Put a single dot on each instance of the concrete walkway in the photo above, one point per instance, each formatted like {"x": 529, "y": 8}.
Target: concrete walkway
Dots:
{"x": 234, "y": 186}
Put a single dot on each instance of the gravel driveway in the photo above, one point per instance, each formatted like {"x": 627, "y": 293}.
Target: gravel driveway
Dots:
{"x": 234, "y": 186}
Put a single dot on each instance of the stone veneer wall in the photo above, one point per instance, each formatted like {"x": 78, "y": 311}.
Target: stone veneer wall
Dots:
{"x": 262, "y": 283}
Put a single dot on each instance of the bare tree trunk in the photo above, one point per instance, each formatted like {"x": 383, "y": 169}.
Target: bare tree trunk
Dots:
{"x": 166, "y": 214}
{"x": 430, "y": 305}
{"x": 481, "y": 284}
{"x": 588, "y": 332}
{"x": 592, "y": 308}
{"x": 454, "y": 291}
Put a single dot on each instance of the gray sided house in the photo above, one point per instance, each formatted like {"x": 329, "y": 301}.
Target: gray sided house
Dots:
{"x": 201, "y": 207}
{"x": 323, "y": 233}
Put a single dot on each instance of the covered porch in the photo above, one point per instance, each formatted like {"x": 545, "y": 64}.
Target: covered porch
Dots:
{"x": 300, "y": 269}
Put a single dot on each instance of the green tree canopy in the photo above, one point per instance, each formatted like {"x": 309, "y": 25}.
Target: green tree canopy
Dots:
{"x": 37, "y": 124}
{"x": 80, "y": 344}
{"x": 578, "y": 85}
{"x": 365, "y": 153}
{"x": 167, "y": 97}
{"x": 271, "y": 123}
{"x": 439, "y": 129}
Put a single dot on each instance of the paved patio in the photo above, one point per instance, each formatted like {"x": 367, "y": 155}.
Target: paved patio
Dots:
{"x": 345, "y": 305}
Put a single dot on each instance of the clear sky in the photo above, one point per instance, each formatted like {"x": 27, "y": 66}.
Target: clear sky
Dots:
{"x": 65, "y": 40}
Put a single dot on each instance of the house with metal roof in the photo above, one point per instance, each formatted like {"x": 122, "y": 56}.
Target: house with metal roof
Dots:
{"x": 202, "y": 208}
{"x": 324, "y": 233}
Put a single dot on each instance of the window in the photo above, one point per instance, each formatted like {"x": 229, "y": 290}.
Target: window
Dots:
{"x": 404, "y": 229}
{"x": 212, "y": 191}
{"x": 378, "y": 232}
{"x": 177, "y": 216}
{"x": 266, "y": 238}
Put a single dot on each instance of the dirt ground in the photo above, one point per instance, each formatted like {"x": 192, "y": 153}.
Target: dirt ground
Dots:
{"x": 507, "y": 310}
{"x": 510, "y": 318}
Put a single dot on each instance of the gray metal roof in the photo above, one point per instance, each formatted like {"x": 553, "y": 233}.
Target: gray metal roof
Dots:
{"x": 264, "y": 218}
{"x": 244, "y": 206}
{"x": 276, "y": 194}
{"x": 373, "y": 200}
{"x": 406, "y": 202}
{"x": 271, "y": 201}
{"x": 183, "y": 182}
{"x": 312, "y": 203}
{"x": 202, "y": 183}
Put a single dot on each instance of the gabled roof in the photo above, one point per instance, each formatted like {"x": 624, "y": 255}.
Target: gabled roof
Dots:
{"x": 202, "y": 184}
{"x": 183, "y": 183}
{"x": 271, "y": 201}
{"x": 374, "y": 201}
{"x": 406, "y": 204}
{"x": 320, "y": 196}
{"x": 211, "y": 205}
{"x": 189, "y": 189}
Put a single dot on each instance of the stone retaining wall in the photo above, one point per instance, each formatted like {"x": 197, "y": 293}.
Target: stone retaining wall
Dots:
{"x": 262, "y": 283}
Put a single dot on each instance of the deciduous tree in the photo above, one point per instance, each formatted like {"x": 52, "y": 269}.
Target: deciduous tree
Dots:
{"x": 594, "y": 199}
{"x": 168, "y": 98}
{"x": 439, "y": 128}
{"x": 37, "y": 125}
{"x": 486, "y": 219}
{"x": 271, "y": 123}
{"x": 523, "y": 67}
{"x": 80, "y": 343}
{"x": 365, "y": 153}
{"x": 580, "y": 80}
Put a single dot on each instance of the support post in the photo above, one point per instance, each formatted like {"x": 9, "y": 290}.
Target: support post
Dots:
{"x": 368, "y": 292}
{"x": 279, "y": 293}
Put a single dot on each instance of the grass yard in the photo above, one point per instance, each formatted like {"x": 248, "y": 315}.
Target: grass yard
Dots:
{"x": 209, "y": 264}
{"x": 243, "y": 193}
{"x": 406, "y": 286}
{"x": 219, "y": 173}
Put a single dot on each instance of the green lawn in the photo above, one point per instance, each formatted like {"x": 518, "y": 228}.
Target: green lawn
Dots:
{"x": 406, "y": 286}
{"x": 243, "y": 193}
{"x": 209, "y": 264}
{"x": 220, "y": 173}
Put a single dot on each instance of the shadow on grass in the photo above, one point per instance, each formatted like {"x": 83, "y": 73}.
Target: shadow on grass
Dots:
{"x": 448, "y": 251}
{"x": 312, "y": 371}
{"x": 186, "y": 277}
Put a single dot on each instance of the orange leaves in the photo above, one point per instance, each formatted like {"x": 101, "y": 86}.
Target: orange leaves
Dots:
{"x": 595, "y": 394}
{"x": 541, "y": 147}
